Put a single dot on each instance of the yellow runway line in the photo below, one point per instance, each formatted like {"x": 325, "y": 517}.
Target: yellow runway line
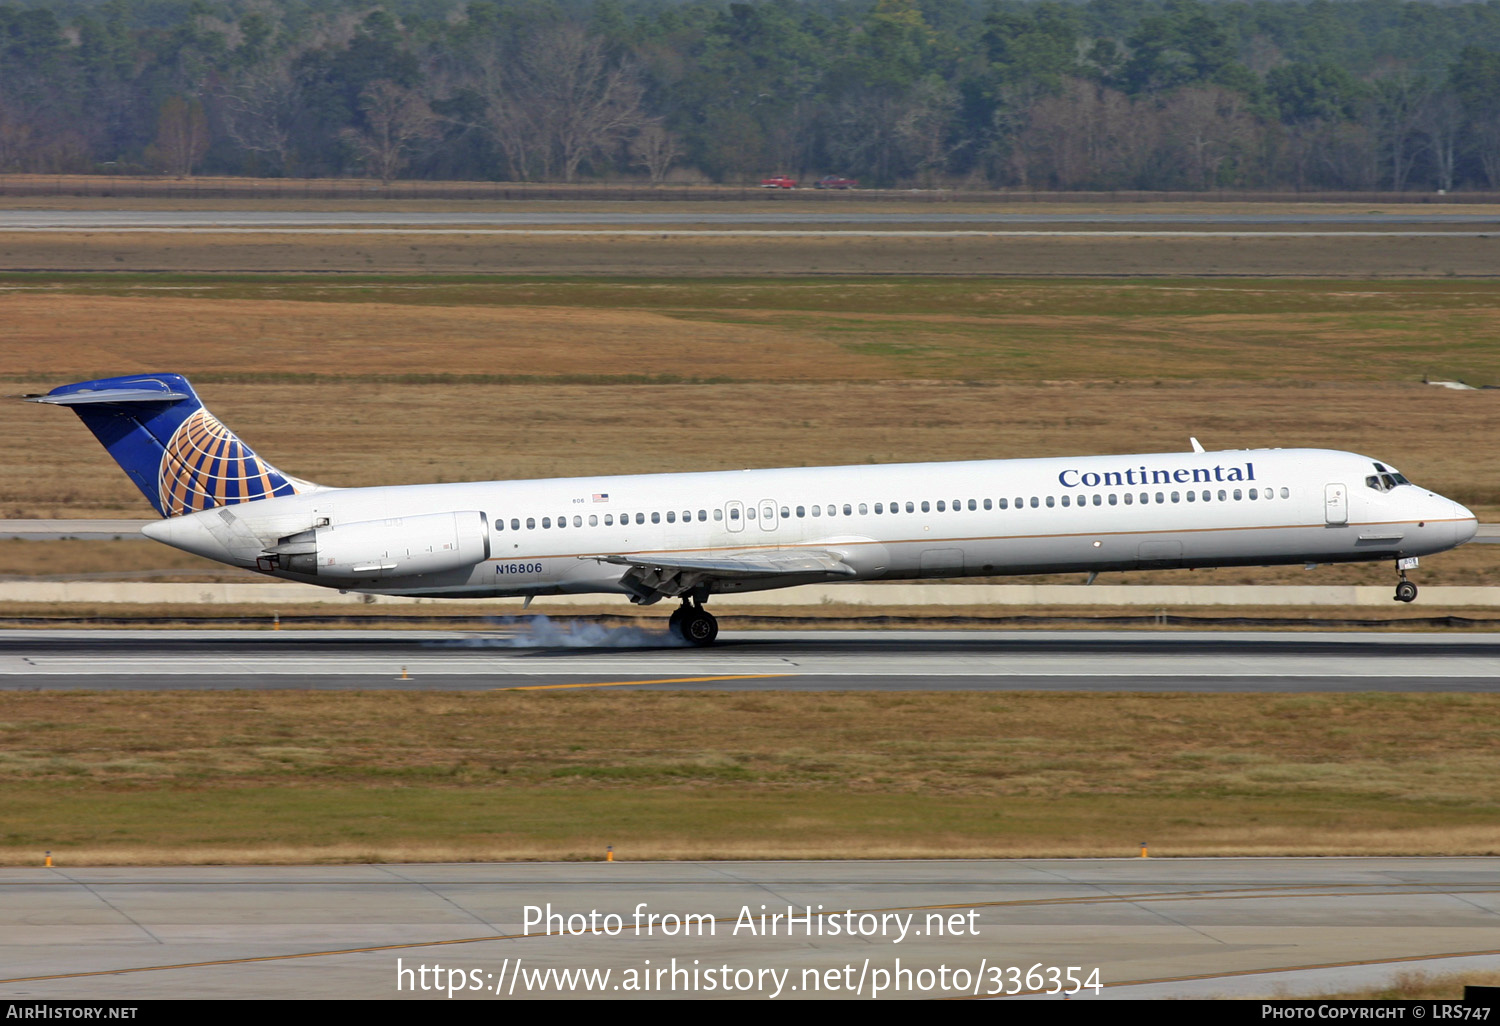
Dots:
{"x": 625, "y": 683}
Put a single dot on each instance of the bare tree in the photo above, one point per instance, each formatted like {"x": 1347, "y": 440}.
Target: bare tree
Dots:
{"x": 506, "y": 120}
{"x": 582, "y": 102}
{"x": 1206, "y": 125}
{"x": 261, "y": 106}
{"x": 181, "y": 137}
{"x": 655, "y": 149}
{"x": 396, "y": 120}
{"x": 925, "y": 126}
{"x": 1440, "y": 120}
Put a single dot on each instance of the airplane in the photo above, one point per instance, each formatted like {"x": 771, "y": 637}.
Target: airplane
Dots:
{"x": 687, "y": 537}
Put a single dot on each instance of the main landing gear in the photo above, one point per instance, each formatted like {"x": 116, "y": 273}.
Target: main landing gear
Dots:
{"x": 694, "y": 624}
{"x": 1406, "y": 591}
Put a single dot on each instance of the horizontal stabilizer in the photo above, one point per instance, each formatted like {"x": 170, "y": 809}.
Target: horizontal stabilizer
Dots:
{"x": 110, "y": 395}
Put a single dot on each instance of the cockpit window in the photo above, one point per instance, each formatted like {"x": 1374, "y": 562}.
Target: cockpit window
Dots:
{"x": 1386, "y": 479}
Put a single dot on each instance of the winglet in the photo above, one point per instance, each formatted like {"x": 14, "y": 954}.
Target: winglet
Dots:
{"x": 1197, "y": 445}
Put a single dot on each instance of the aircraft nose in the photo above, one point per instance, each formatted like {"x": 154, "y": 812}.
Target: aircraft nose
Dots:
{"x": 1465, "y": 524}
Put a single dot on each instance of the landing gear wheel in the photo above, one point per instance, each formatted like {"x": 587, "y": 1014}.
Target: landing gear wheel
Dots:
{"x": 697, "y": 626}
{"x": 1406, "y": 592}
{"x": 674, "y": 623}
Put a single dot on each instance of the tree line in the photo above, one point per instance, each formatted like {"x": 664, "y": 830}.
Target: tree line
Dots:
{"x": 1106, "y": 94}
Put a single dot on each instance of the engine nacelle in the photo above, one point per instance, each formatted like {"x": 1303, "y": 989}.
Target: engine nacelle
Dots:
{"x": 399, "y": 547}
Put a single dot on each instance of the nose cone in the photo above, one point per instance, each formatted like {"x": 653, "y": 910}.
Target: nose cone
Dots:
{"x": 190, "y": 534}
{"x": 1465, "y": 524}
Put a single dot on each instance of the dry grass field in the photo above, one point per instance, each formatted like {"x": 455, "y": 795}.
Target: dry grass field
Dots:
{"x": 542, "y": 252}
{"x": 305, "y": 776}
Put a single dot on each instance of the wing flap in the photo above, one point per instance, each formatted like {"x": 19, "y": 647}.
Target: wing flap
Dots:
{"x": 740, "y": 565}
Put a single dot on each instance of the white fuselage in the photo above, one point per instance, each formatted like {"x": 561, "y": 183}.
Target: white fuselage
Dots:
{"x": 981, "y": 518}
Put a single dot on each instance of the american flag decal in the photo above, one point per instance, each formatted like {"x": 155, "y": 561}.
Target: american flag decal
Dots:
{"x": 601, "y": 496}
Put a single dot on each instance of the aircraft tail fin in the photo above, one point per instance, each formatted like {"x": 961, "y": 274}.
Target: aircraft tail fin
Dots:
{"x": 178, "y": 454}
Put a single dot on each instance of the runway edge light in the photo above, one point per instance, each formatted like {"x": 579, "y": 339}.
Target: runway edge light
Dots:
{"x": 48, "y": 863}
{"x": 609, "y": 853}
{"x": 1144, "y": 854}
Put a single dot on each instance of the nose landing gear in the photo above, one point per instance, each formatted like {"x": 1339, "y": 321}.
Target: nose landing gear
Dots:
{"x": 1406, "y": 591}
{"x": 694, "y": 624}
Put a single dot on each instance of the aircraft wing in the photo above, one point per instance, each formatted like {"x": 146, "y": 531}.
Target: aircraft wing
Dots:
{"x": 650, "y": 577}
{"x": 756, "y": 563}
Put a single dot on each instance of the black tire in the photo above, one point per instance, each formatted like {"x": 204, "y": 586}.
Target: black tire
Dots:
{"x": 1406, "y": 592}
{"x": 698, "y": 627}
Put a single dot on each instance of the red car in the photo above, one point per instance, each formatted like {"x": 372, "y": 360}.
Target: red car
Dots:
{"x": 835, "y": 182}
{"x": 778, "y": 182}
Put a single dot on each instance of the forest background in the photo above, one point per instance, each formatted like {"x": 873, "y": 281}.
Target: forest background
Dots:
{"x": 1108, "y": 94}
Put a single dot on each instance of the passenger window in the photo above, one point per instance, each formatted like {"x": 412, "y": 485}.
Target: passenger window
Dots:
{"x": 499, "y": 523}
{"x": 911, "y": 507}
{"x": 1049, "y": 502}
{"x": 671, "y": 516}
{"x": 702, "y": 516}
{"x": 1114, "y": 500}
{"x": 578, "y": 521}
{"x": 986, "y": 503}
{"x": 1223, "y": 495}
{"x": 879, "y": 508}
{"x": 1160, "y": 498}
{"x": 972, "y": 505}
{"x": 1286, "y": 494}
{"x": 942, "y": 506}
{"x": 785, "y": 512}
{"x": 718, "y": 515}
{"x": 593, "y": 520}
{"x": 609, "y": 520}
{"x": 1191, "y": 496}
{"x": 1004, "y": 503}
{"x": 531, "y": 523}
{"x": 1254, "y": 493}
{"x": 1066, "y": 500}
{"x": 562, "y": 522}
{"x": 1128, "y": 498}
{"x": 849, "y": 510}
{"x": 863, "y": 509}
{"x": 640, "y": 518}
{"x": 832, "y": 510}
{"x": 1207, "y": 495}
{"x": 546, "y": 522}
{"x": 1145, "y": 498}
{"x": 1238, "y": 495}
{"x": 656, "y": 518}
{"x": 734, "y": 514}
{"x": 802, "y": 511}
{"x": 1174, "y": 497}
{"x": 515, "y": 524}
{"x": 1034, "y": 502}
{"x": 750, "y": 513}
{"x": 817, "y": 511}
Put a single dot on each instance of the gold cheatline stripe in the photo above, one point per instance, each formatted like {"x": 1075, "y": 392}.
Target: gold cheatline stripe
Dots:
{"x": 626, "y": 683}
{"x": 1206, "y": 895}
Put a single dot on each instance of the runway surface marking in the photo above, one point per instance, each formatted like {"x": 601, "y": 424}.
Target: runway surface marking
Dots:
{"x": 618, "y": 683}
{"x": 1233, "y": 973}
{"x": 793, "y": 233}
{"x": 1237, "y": 893}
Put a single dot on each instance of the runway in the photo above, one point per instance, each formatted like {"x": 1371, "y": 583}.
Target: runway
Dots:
{"x": 541, "y": 654}
{"x": 1136, "y": 927}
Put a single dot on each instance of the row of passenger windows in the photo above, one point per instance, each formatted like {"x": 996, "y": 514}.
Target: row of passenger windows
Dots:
{"x": 910, "y": 506}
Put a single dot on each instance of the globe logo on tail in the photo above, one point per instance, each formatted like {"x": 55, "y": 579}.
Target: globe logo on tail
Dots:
{"x": 205, "y": 465}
